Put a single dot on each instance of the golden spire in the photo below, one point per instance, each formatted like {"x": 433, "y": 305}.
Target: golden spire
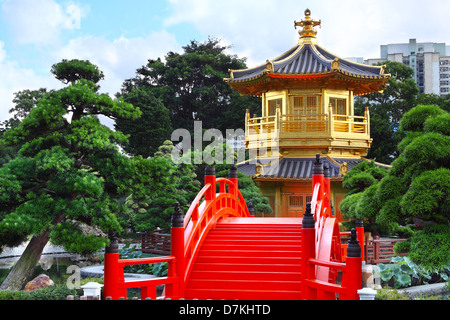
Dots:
{"x": 307, "y": 24}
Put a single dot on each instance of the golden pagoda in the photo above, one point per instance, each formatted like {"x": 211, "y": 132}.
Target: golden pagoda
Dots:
{"x": 307, "y": 109}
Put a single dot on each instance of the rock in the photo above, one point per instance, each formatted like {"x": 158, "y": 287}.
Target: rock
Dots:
{"x": 41, "y": 281}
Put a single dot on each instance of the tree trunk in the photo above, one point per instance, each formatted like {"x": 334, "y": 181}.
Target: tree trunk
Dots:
{"x": 23, "y": 269}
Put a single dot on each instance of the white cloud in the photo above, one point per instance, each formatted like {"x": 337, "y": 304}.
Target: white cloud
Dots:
{"x": 257, "y": 29}
{"x": 2, "y": 52}
{"x": 118, "y": 59}
{"x": 263, "y": 29}
{"x": 14, "y": 78}
{"x": 40, "y": 21}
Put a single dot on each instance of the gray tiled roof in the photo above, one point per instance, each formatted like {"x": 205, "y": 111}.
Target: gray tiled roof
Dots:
{"x": 305, "y": 60}
{"x": 308, "y": 59}
{"x": 298, "y": 168}
{"x": 290, "y": 168}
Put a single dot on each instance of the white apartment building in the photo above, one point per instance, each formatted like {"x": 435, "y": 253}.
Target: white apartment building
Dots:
{"x": 430, "y": 62}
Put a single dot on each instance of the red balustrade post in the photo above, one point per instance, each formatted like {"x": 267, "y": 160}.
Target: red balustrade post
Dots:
{"x": 210, "y": 178}
{"x": 352, "y": 279}
{"x": 177, "y": 250}
{"x": 317, "y": 176}
{"x": 113, "y": 274}
{"x": 327, "y": 189}
{"x": 308, "y": 252}
{"x": 233, "y": 177}
{"x": 251, "y": 209}
{"x": 361, "y": 237}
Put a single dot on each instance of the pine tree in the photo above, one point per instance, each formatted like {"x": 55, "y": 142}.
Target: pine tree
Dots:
{"x": 69, "y": 174}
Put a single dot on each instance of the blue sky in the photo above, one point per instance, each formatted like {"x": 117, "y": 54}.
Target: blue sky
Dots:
{"x": 120, "y": 36}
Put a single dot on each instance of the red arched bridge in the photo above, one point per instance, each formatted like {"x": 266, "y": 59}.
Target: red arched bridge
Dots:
{"x": 219, "y": 250}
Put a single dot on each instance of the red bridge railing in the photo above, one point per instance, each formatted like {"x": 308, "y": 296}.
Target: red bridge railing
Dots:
{"x": 322, "y": 252}
{"x": 187, "y": 235}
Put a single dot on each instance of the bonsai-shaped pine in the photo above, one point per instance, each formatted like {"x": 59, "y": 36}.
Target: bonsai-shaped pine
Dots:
{"x": 415, "y": 194}
{"x": 69, "y": 174}
{"x": 361, "y": 181}
{"x": 173, "y": 183}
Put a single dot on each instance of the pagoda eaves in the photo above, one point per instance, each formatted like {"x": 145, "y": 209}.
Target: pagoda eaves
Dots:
{"x": 308, "y": 65}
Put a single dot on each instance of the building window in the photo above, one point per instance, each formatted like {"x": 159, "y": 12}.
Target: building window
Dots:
{"x": 273, "y": 106}
{"x": 312, "y": 105}
{"x": 339, "y": 106}
{"x": 295, "y": 201}
{"x": 305, "y": 105}
{"x": 297, "y": 106}
{"x": 295, "y": 204}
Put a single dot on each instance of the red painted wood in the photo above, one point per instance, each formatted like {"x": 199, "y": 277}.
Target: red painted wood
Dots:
{"x": 239, "y": 260}
{"x": 221, "y": 252}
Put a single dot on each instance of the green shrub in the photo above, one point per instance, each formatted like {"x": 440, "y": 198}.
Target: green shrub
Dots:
{"x": 53, "y": 293}
{"x": 427, "y": 195}
{"x": 439, "y": 124}
{"x": 131, "y": 252}
{"x": 48, "y": 293}
{"x": 400, "y": 273}
{"x": 14, "y": 295}
{"x": 348, "y": 205}
{"x": 430, "y": 247}
{"x": 414, "y": 119}
{"x": 160, "y": 269}
{"x": 402, "y": 247}
{"x": 390, "y": 294}
{"x": 403, "y": 272}
{"x": 368, "y": 206}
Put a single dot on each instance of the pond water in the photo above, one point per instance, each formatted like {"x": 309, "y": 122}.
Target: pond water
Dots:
{"x": 54, "y": 262}
{"x": 55, "y": 268}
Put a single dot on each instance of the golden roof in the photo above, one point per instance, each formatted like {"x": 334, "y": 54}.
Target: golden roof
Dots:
{"x": 308, "y": 61}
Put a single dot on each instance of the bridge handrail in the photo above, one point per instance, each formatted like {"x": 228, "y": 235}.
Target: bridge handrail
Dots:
{"x": 187, "y": 235}
{"x": 114, "y": 278}
{"x": 331, "y": 264}
{"x": 203, "y": 215}
{"x": 325, "y": 261}
{"x": 130, "y": 262}
{"x": 193, "y": 213}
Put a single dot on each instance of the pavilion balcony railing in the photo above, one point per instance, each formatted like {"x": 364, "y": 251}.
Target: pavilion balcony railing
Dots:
{"x": 314, "y": 125}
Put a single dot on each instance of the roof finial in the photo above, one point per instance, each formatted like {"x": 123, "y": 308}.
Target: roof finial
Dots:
{"x": 307, "y": 24}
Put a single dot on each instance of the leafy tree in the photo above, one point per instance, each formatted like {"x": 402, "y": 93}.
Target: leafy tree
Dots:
{"x": 24, "y": 101}
{"x": 171, "y": 183}
{"x": 399, "y": 96}
{"x": 191, "y": 86}
{"x": 434, "y": 99}
{"x": 430, "y": 248}
{"x": 416, "y": 191}
{"x": 386, "y": 110}
{"x": 362, "y": 177}
{"x": 149, "y": 131}
{"x": 68, "y": 175}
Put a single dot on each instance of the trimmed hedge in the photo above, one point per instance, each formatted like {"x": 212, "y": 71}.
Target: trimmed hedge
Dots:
{"x": 48, "y": 293}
